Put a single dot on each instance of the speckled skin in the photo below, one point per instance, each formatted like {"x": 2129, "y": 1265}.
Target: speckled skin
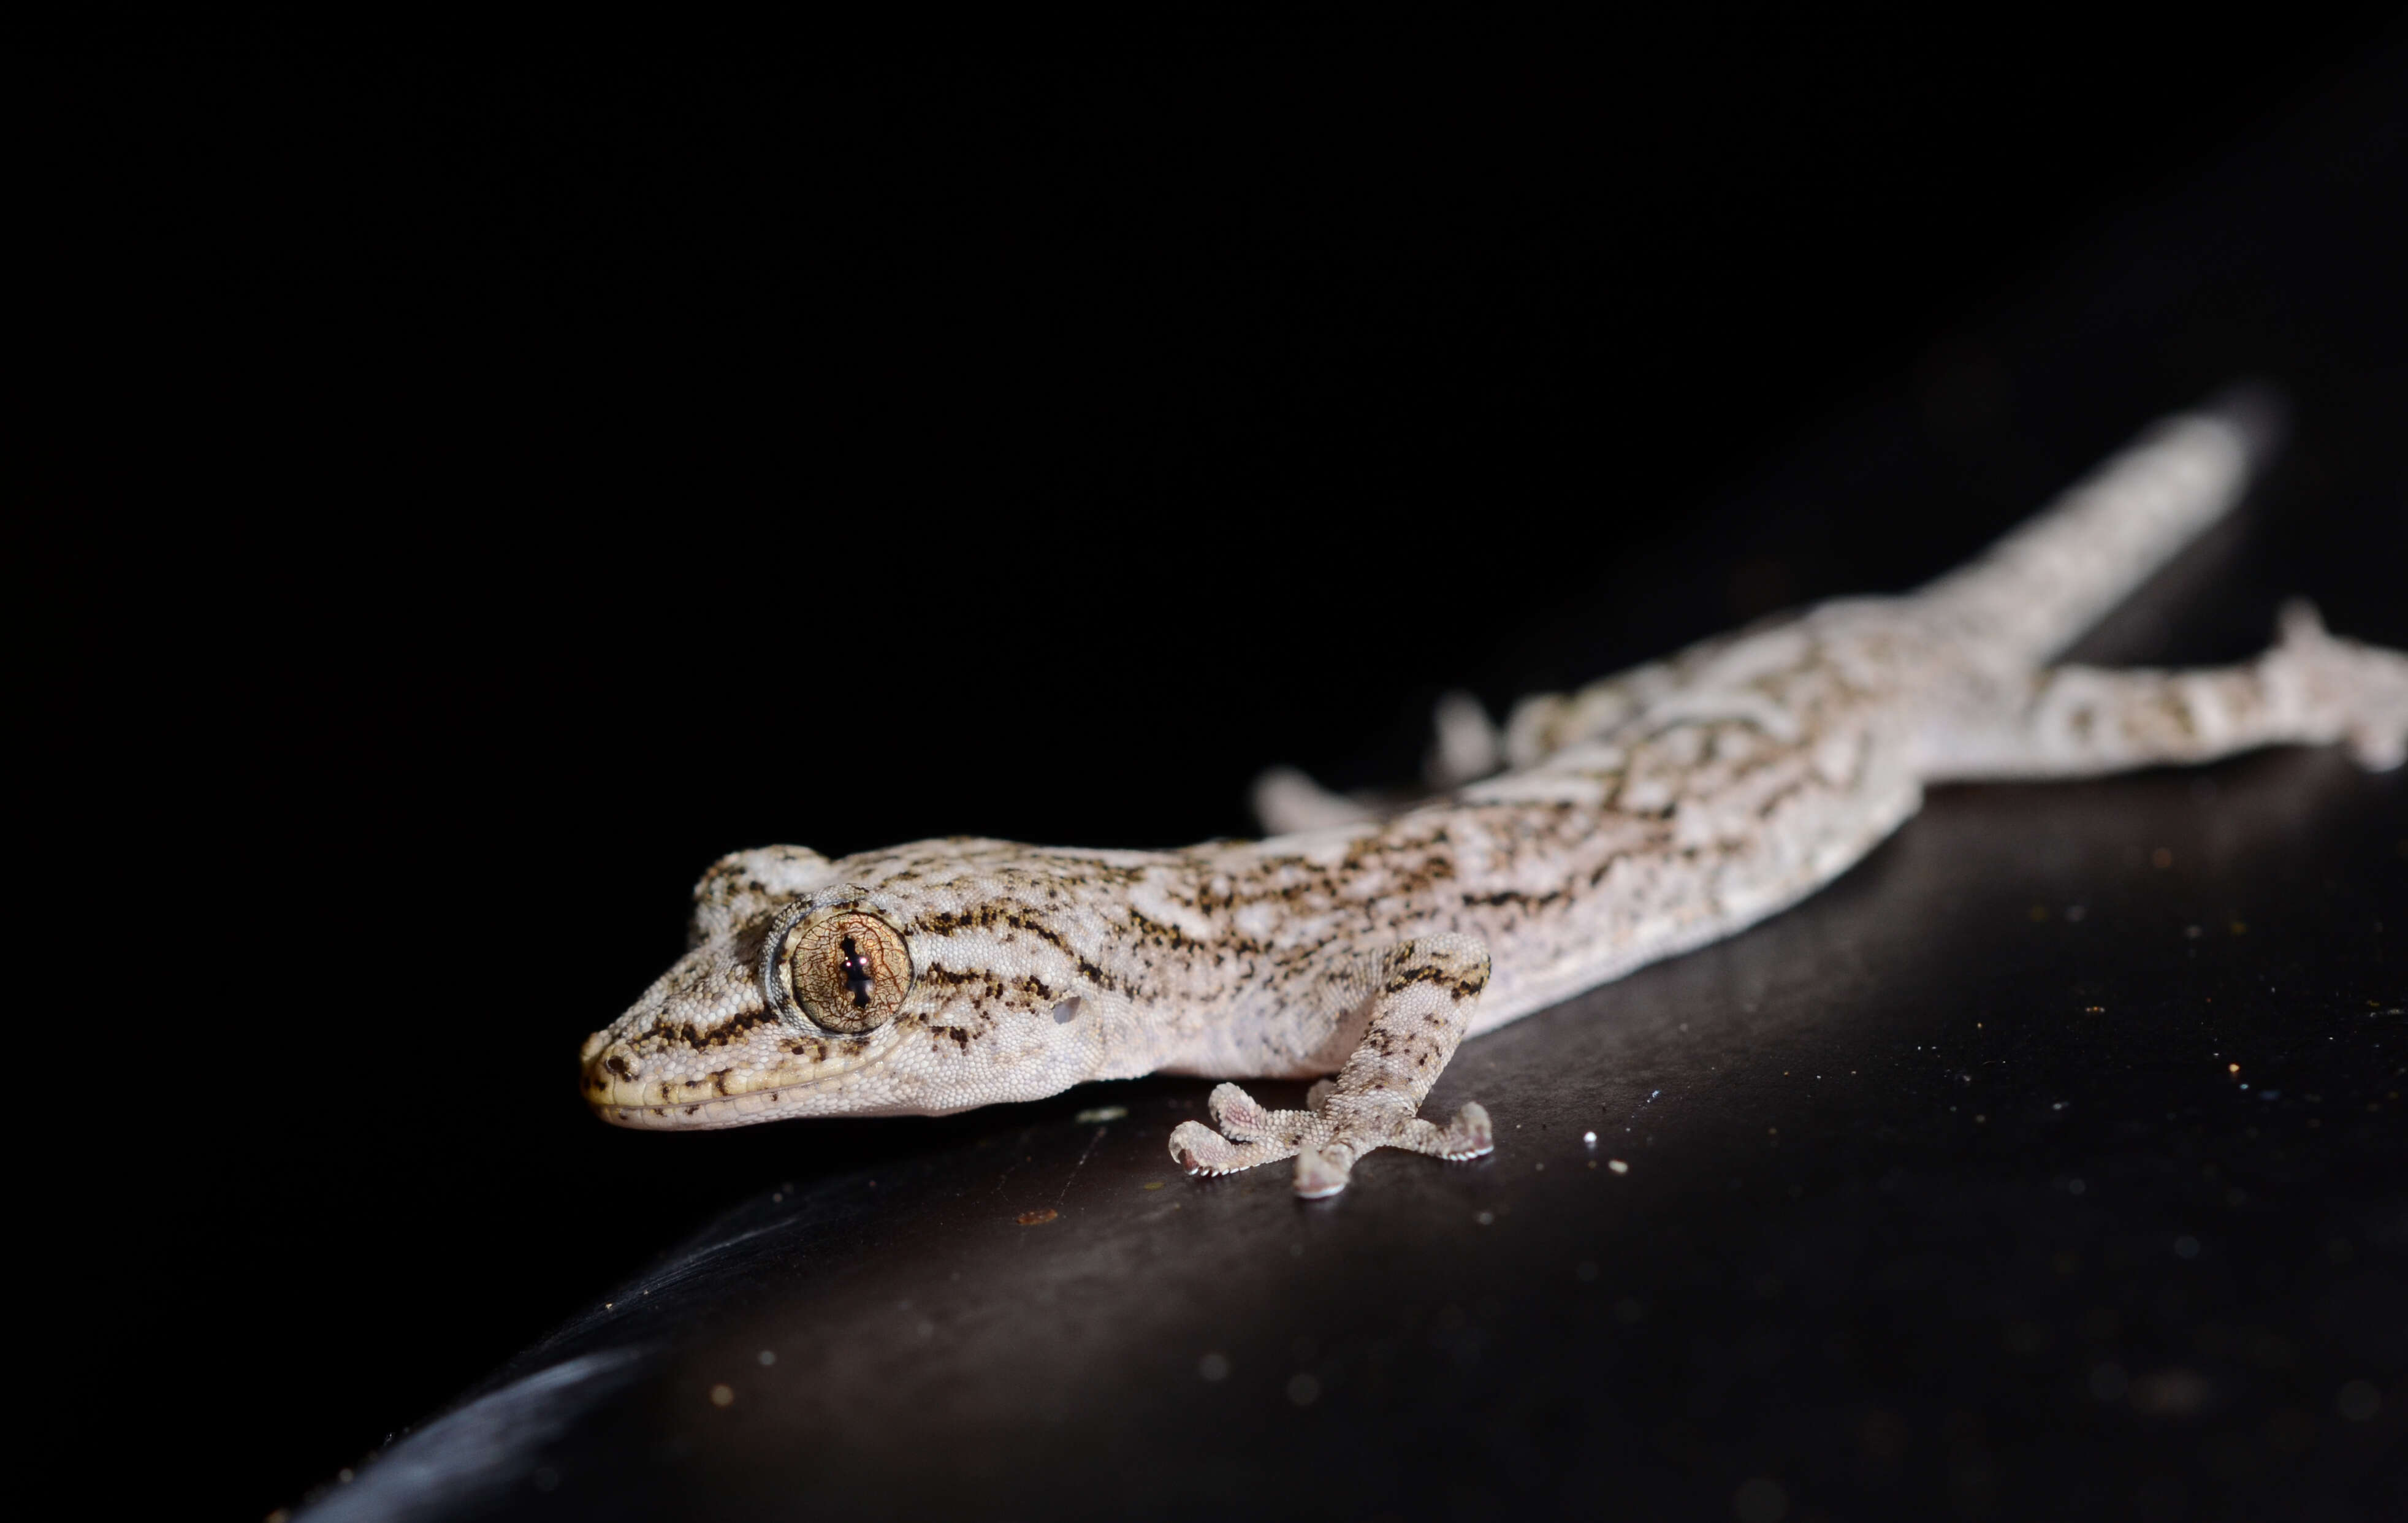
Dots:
{"x": 1638, "y": 818}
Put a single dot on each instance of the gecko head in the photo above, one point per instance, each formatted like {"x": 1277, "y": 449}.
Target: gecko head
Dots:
{"x": 812, "y": 988}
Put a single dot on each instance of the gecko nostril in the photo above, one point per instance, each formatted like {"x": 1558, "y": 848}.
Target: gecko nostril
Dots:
{"x": 1068, "y": 1010}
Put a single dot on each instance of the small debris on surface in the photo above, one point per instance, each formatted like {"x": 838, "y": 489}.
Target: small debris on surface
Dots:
{"x": 1101, "y": 1115}
{"x": 1038, "y": 1218}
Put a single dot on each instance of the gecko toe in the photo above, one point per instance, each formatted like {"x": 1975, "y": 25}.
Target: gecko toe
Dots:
{"x": 1196, "y": 1147}
{"x": 1471, "y": 1133}
{"x": 1237, "y": 1113}
{"x": 1319, "y": 1174}
{"x": 1200, "y": 1150}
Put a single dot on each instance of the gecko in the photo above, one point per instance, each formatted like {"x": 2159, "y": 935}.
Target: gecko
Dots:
{"x": 1634, "y": 819}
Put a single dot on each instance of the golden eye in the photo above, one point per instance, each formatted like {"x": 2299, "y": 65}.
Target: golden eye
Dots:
{"x": 845, "y": 968}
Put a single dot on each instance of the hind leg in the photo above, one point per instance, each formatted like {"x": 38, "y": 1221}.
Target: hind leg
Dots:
{"x": 2310, "y": 689}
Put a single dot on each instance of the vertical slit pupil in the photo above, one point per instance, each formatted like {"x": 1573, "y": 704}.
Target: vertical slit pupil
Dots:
{"x": 857, "y": 975}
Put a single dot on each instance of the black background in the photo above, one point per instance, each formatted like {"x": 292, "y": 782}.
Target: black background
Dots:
{"x": 462, "y": 502}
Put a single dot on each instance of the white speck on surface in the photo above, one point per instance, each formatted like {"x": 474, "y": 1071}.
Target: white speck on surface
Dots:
{"x": 1618, "y": 1166}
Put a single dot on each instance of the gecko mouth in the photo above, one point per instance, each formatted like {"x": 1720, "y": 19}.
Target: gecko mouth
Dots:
{"x": 729, "y": 1097}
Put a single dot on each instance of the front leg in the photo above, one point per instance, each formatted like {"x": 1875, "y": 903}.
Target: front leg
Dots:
{"x": 1426, "y": 990}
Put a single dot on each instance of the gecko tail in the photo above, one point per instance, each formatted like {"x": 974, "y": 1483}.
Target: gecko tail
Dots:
{"x": 2038, "y": 590}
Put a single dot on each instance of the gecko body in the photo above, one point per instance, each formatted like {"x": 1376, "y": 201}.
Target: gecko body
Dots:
{"x": 1640, "y": 817}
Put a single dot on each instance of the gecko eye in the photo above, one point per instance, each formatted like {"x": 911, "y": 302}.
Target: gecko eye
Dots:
{"x": 843, "y": 968}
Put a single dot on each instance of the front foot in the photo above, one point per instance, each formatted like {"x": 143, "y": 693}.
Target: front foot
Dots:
{"x": 1424, "y": 991}
{"x": 1324, "y": 1143}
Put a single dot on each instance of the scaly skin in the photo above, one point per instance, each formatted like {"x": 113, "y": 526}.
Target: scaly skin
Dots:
{"x": 1640, "y": 817}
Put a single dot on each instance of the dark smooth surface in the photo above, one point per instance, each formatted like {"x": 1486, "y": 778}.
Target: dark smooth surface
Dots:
{"x": 1943, "y": 1193}
{"x": 470, "y": 502}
